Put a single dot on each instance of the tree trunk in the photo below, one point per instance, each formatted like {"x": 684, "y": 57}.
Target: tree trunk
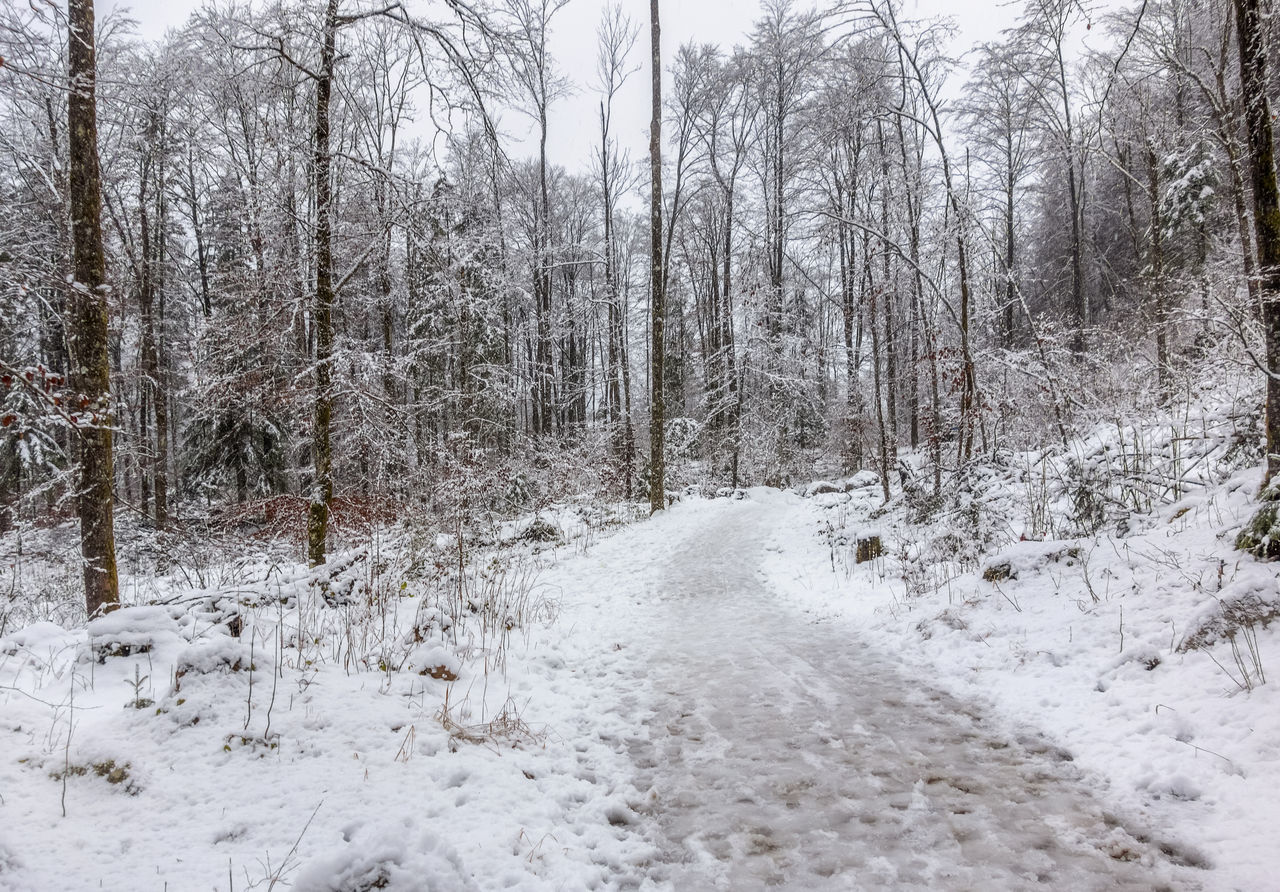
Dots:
{"x": 878, "y": 383}
{"x": 197, "y": 229}
{"x": 544, "y": 371}
{"x": 1159, "y": 293}
{"x": 1079, "y": 304}
{"x": 613, "y": 377}
{"x": 150, "y": 248}
{"x": 657, "y": 309}
{"x": 1243, "y": 227}
{"x": 10, "y": 481}
{"x": 322, "y": 486}
{"x": 628, "y": 427}
{"x": 849, "y": 314}
{"x": 1010, "y": 258}
{"x": 911, "y": 180}
{"x": 1079, "y": 300}
{"x": 87, "y": 338}
{"x": 160, "y": 392}
{"x": 1266, "y": 203}
{"x": 732, "y": 397}
{"x": 885, "y": 299}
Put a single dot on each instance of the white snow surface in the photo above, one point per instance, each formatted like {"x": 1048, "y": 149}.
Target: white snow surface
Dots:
{"x": 1087, "y": 641}
{"x": 787, "y": 752}
{"x": 723, "y": 703}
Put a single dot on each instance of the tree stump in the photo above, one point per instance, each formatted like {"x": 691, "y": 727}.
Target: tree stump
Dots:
{"x": 869, "y": 548}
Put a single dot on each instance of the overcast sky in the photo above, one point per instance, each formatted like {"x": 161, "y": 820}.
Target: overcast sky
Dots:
{"x": 725, "y": 22}
{"x": 573, "y": 122}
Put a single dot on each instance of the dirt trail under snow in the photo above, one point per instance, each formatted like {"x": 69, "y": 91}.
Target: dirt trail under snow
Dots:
{"x": 781, "y": 753}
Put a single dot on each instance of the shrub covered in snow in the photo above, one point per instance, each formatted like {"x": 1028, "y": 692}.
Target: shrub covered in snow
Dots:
{"x": 391, "y": 857}
{"x": 1261, "y": 535}
{"x": 132, "y": 630}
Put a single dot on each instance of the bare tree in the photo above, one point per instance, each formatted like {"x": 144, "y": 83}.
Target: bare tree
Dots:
{"x": 786, "y": 48}
{"x": 657, "y": 308}
{"x": 87, "y": 334}
{"x": 1250, "y": 36}
{"x": 616, "y": 37}
{"x": 917, "y": 62}
{"x": 1042, "y": 39}
{"x": 999, "y": 111}
{"x": 724, "y": 114}
{"x": 531, "y": 66}
{"x": 1205, "y": 64}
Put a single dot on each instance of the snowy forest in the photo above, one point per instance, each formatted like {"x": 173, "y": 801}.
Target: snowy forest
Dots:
{"x": 845, "y": 420}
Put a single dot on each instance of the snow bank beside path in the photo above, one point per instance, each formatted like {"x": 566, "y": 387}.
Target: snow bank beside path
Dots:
{"x": 316, "y": 747}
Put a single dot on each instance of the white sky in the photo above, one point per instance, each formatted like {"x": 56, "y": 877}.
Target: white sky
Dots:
{"x": 573, "y": 130}
{"x": 573, "y": 122}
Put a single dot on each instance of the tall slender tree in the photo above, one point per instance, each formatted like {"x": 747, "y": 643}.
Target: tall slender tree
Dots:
{"x": 1250, "y": 33}
{"x": 617, "y": 36}
{"x": 90, "y": 376}
{"x": 322, "y": 485}
{"x": 531, "y": 64}
{"x": 657, "y": 306}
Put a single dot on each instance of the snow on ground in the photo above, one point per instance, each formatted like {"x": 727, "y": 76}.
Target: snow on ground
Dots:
{"x": 1142, "y": 655}
{"x": 678, "y": 728}
{"x": 718, "y": 697}
{"x": 781, "y": 752}
{"x": 188, "y": 758}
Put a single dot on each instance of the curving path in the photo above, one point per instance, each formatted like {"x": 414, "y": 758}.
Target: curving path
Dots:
{"x": 782, "y": 754}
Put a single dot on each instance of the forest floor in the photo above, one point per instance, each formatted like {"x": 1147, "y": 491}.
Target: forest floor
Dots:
{"x": 724, "y": 700}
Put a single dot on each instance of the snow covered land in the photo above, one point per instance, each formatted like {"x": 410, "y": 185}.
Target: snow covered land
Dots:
{"x": 717, "y": 697}
{"x": 734, "y": 445}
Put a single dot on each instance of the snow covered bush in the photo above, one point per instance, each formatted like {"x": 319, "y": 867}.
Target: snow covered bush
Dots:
{"x": 1261, "y": 535}
{"x": 397, "y": 858}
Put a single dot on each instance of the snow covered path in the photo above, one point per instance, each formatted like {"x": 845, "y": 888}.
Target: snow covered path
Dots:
{"x": 780, "y": 752}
